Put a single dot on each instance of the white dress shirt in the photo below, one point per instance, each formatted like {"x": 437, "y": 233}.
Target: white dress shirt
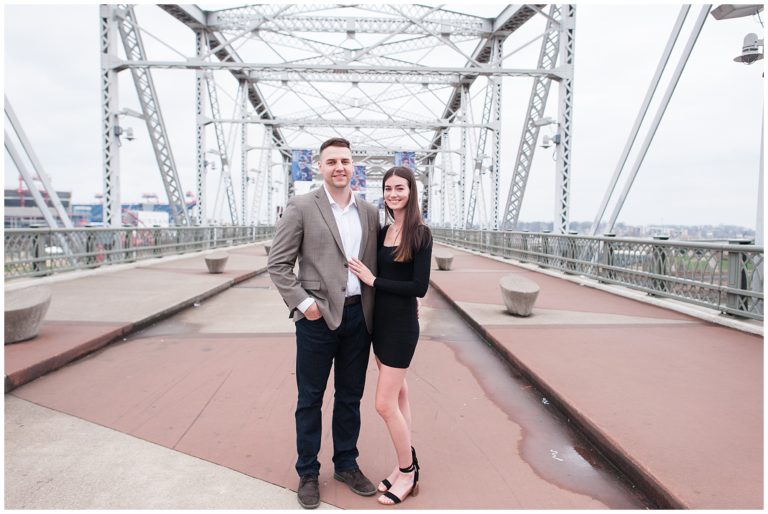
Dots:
{"x": 351, "y": 232}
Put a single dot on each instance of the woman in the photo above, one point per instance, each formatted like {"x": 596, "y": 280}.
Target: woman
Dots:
{"x": 404, "y": 255}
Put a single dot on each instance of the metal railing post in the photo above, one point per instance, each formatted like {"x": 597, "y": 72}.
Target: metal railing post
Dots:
{"x": 157, "y": 240}
{"x": 570, "y": 253}
{"x": 737, "y": 277}
{"x": 493, "y": 243}
{"x": 524, "y": 246}
{"x": 543, "y": 256}
{"x": 606, "y": 259}
{"x": 39, "y": 263}
{"x": 130, "y": 256}
{"x": 660, "y": 265}
{"x": 90, "y": 249}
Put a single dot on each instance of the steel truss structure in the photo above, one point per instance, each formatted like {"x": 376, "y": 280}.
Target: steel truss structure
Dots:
{"x": 386, "y": 77}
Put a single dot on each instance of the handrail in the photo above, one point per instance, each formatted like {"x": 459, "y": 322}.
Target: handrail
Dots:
{"x": 39, "y": 251}
{"x": 726, "y": 277}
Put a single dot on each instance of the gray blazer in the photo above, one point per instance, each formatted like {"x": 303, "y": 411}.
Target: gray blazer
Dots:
{"x": 308, "y": 231}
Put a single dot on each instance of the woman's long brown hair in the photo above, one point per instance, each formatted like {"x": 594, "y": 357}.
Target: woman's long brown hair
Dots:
{"x": 412, "y": 235}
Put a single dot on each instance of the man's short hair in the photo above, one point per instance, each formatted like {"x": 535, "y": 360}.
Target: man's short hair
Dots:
{"x": 335, "y": 141}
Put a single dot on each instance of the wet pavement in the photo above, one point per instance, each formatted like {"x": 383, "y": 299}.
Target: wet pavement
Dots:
{"x": 215, "y": 384}
{"x": 548, "y": 443}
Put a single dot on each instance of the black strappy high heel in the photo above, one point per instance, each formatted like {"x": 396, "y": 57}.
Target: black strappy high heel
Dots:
{"x": 414, "y": 467}
{"x": 387, "y": 484}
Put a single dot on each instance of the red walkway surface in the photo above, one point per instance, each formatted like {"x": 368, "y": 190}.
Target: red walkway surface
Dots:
{"x": 676, "y": 400}
{"x": 680, "y": 403}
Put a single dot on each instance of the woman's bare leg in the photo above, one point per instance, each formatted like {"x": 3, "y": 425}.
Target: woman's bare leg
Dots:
{"x": 405, "y": 408}
{"x": 388, "y": 399}
{"x": 404, "y": 404}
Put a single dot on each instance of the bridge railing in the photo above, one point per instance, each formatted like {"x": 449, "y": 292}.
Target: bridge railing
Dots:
{"x": 42, "y": 251}
{"x": 726, "y": 277}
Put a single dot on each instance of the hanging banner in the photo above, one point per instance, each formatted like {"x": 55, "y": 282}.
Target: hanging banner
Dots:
{"x": 301, "y": 165}
{"x": 358, "y": 180}
{"x": 406, "y": 159}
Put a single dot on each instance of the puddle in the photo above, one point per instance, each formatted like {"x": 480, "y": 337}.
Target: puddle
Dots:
{"x": 553, "y": 449}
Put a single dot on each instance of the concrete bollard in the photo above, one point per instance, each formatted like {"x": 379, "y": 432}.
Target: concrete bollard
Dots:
{"x": 267, "y": 247}
{"x": 444, "y": 259}
{"x": 24, "y": 312}
{"x": 216, "y": 262}
{"x": 519, "y": 294}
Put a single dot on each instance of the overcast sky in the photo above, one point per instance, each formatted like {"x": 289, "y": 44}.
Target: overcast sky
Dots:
{"x": 702, "y": 167}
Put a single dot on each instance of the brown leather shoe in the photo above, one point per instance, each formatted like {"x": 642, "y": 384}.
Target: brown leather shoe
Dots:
{"x": 309, "y": 492}
{"x": 356, "y": 481}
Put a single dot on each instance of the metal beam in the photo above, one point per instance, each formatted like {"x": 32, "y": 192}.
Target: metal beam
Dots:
{"x": 381, "y": 124}
{"x": 537, "y": 102}
{"x": 202, "y": 169}
{"x": 508, "y": 21}
{"x": 345, "y": 24}
{"x": 243, "y": 17}
{"x": 190, "y": 15}
{"x": 273, "y": 71}
{"x": 661, "y": 109}
{"x": 565, "y": 117}
{"x": 244, "y": 153}
{"x": 676, "y": 29}
{"x": 222, "y": 149}
{"x": 145, "y": 89}
{"x": 495, "y": 84}
{"x": 110, "y": 141}
{"x": 195, "y": 19}
{"x": 29, "y": 179}
{"x": 37, "y": 168}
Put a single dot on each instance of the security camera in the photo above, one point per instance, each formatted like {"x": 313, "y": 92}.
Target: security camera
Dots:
{"x": 129, "y": 133}
{"x": 750, "y": 52}
{"x": 548, "y": 141}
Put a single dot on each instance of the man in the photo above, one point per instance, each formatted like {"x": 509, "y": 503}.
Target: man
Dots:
{"x": 332, "y": 310}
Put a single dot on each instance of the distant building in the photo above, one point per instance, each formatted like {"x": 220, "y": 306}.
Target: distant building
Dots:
{"x": 21, "y": 211}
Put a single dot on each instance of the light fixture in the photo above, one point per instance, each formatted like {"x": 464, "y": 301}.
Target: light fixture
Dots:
{"x": 729, "y": 11}
{"x": 750, "y": 51}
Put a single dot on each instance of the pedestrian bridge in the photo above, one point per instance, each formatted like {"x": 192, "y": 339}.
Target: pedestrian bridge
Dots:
{"x": 636, "y": 382}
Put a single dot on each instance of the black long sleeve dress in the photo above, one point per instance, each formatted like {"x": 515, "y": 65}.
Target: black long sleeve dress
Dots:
{"x": 395, "y": 325}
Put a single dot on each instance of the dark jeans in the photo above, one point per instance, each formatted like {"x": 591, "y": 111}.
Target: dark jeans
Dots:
{"x": 317, "y": 349}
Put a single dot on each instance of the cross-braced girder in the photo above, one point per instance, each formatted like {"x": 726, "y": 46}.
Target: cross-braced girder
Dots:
{"x": 223, "y": 152}
{"x": 109, "y": 118}
{"x": 134, "y": 50}
{"x": 383, "y": 76}
{"x": 293, "y": 18}
{"x": 565, "y": 118}
{"x": 536, "y": 104}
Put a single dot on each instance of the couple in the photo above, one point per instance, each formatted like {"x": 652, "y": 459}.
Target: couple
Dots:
{"x": 356, "y": 282}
